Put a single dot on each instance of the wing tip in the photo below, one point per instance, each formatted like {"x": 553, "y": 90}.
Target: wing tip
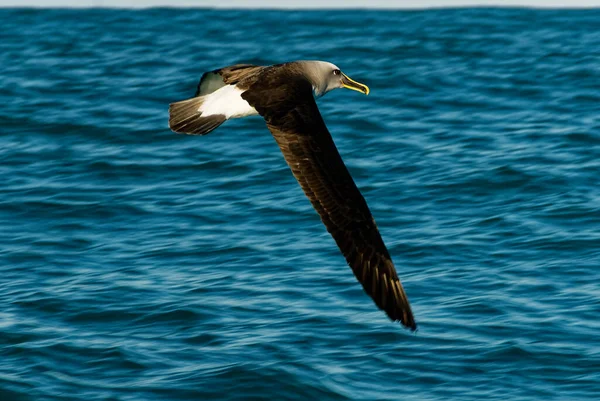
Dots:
{"x": 399, "y": 309}
{"x": 403, "y": 315}
{"x": 409, "y": 323}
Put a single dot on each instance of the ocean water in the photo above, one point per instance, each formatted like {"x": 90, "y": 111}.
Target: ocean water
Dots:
{"x": 137, "y": 264}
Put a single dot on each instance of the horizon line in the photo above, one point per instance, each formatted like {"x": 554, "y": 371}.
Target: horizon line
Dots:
{"x": 300, "y": 4}
{"x": 302, "y": 8}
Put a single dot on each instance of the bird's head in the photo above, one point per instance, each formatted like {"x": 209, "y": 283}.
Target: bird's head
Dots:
{"x": 325, "y": 77}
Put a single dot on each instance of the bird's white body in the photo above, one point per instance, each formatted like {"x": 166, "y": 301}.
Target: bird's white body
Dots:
{"x": 226, "y": 101}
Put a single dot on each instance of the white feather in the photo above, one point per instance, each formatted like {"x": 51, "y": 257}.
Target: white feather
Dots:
{"x": 228, "y": 102}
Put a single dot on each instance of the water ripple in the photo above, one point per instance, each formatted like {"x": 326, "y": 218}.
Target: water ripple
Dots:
{"x": 142, "y": 265}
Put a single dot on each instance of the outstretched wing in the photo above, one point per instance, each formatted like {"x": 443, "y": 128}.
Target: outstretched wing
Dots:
{"x": 213, "y": 80}
{"x": 293, "y": 118}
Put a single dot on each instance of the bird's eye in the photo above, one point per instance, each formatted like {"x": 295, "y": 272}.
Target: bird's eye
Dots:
{"x": 336, "y": 72}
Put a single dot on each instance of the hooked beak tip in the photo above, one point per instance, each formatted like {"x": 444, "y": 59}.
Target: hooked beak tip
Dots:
{"x": 349, "y": 83}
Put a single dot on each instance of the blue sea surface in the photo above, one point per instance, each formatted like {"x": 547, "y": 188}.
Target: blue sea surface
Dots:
{"x": 138, "y": 265}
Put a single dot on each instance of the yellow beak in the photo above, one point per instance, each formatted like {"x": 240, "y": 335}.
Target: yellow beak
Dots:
{"x": 349, "y": 83}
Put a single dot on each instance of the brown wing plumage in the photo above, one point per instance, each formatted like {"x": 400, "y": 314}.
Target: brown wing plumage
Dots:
{"x": 239, "y": 72}
{"x": 287, "y": 105}
{"x": 231, "y": 75}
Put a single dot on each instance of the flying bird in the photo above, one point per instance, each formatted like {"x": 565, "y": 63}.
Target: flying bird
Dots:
{"x": 284, "y": 95}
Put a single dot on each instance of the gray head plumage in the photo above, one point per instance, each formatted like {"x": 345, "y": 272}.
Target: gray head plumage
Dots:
{"x": 325, "y": 76}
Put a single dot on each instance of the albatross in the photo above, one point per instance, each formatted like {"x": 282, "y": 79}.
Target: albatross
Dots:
{"x": 284, "y": 95}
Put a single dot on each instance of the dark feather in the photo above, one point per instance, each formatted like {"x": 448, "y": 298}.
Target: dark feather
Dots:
{"x": 184, "y": 118}
{"x": 231, "y": 75}
{"x": 284, "y": 98}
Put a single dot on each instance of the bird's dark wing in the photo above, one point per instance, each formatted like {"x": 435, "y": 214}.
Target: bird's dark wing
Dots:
{"x": 213, "y": 80}
{"x": 292, "y": 116}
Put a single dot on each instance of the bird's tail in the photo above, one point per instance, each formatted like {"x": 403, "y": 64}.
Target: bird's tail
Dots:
{"x": 185, "y": 117}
